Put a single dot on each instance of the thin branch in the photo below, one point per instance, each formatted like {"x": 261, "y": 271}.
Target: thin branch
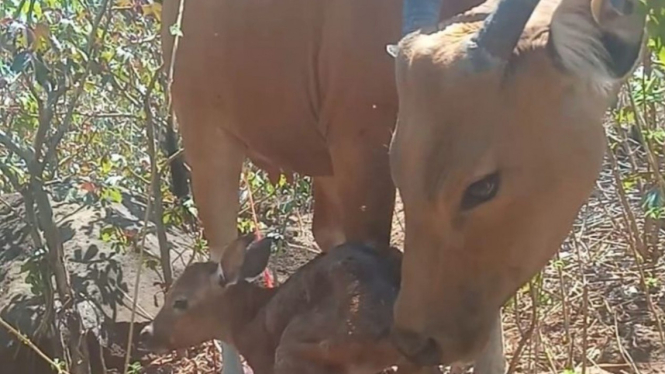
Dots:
{"x": 91, "y": 49}
{"x": 18, "y": 9}
{"x": 139, "y": 269}
{"x": 156, "y": 183}
{"x": 10, "y": 176}
{"x": 585, "y": 302}
{"x": 25, "y": 154}
{"x": 76, "y": 341}
{"x": 636, "y": 244}
{"x": 24, "y": 339}
{"x": 176, "y": 40}
{"x": 43, "y": 114}
{"x": 153, "y": 187}
{"x": 641, "y": 123}
{"x": 529, "y": 332}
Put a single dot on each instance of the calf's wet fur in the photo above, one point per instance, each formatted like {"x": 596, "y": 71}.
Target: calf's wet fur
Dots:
{"x": 333, "y": 315}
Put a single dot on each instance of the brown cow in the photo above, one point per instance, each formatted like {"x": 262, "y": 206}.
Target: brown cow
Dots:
{"x": 498, "y": 144}
{"x": 333, "y": 315}
{"x": 295, "y": 85}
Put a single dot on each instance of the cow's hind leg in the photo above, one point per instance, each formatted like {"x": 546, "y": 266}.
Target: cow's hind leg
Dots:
{"x": 216, "y": 159}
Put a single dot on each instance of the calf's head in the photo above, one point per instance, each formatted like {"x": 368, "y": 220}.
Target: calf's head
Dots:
{"x": 209, "y": 299}
{"x": 498, "y": 144}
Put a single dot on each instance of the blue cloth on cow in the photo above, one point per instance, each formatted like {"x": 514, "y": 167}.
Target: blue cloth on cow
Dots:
{"x": 419, "y": 13}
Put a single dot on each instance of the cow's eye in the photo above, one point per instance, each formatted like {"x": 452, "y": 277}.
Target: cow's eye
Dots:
{"x": 180, "y": 305}
{"x": 481, "y": 191}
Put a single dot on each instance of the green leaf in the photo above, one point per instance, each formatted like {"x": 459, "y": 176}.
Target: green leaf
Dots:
{"x": 106, "y": 234}
{"x": 112, "y": 194}
{"x": 115, "y": 195}
{"x": 175, "y": 30}
{"x": 106, "y": 166}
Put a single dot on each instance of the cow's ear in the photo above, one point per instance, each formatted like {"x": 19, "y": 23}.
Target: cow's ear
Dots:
{"x": 393, "y": 50}
{"x": 601, "y": 40}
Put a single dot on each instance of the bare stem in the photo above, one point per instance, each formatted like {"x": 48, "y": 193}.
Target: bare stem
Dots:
{"x": 91, "y": 50}
{"x": 585, "y": 305}
{"x": 635, "y": 241}
{"x": 32, "y": 346}
{"x": 528, "y": 333}
{"x": 156, "y": 184}
{"x": 153, "y": 193}
{"x": 141, "y": 248}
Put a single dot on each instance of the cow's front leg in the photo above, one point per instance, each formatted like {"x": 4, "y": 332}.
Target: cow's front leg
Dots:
{"x": 216, "y": 159}
{"x": 359, "y": 152}
{"x": 327, "y": 223}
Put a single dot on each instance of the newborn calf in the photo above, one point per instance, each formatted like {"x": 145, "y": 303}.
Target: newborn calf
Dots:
{"x": 332, "y": 316}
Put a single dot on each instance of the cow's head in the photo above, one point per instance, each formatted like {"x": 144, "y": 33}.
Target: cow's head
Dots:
{"x": 498, "y": 144}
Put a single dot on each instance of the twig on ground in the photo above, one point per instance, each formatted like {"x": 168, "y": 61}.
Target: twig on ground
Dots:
{"x": 528, "y": 333}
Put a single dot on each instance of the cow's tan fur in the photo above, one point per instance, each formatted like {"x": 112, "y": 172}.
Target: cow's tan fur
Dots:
{"x": 536, "y": 120}
{"x": 296, "y": 86}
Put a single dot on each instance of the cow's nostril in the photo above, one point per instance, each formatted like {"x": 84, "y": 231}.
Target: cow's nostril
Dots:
{"x": 421, "y": 350}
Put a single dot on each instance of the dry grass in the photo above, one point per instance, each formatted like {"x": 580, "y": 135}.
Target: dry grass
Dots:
{"x": 594, "y": 310}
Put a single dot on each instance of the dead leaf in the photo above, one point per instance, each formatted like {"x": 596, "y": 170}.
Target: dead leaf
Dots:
{"x": 41, "y": 33}
{"x": 123, "y": 3}
{"x": 154, "y": 9}
{"x": 88, "y": 187}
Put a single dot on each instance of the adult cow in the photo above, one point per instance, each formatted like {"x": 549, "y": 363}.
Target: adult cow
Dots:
{"x": 294, "y": 85}
{"x": 498, "y": 143}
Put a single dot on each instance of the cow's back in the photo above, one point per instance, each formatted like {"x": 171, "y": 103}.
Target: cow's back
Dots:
{"x": 275, "y": 73}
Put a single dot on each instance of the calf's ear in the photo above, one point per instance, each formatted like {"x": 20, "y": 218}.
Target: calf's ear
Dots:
{"x": 233, "y": 259}
{"x": 256, "y": 259}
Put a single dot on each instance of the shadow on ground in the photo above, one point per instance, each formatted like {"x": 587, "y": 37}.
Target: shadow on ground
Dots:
{"x": 102, "y": 274}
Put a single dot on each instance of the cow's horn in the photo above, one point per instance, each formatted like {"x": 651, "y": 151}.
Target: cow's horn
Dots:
{"x": 502, "y": 29}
